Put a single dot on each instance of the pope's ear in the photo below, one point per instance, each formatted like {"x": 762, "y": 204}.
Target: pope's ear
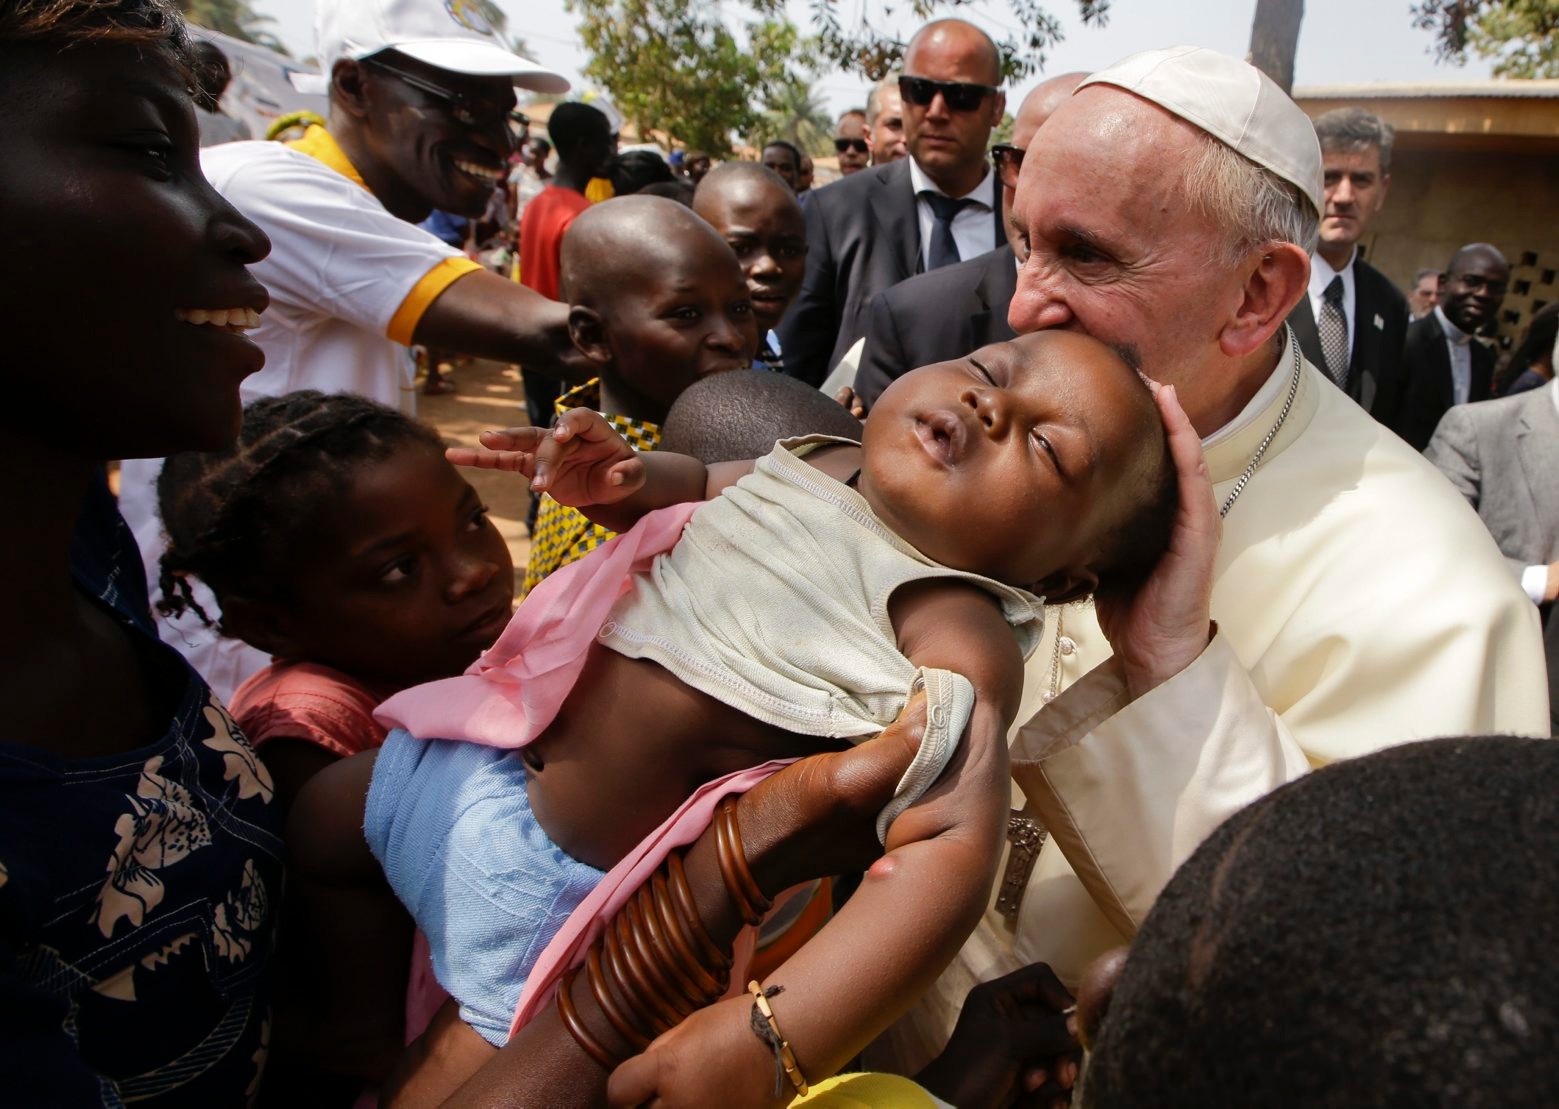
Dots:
{"x": 1275, "y": 278}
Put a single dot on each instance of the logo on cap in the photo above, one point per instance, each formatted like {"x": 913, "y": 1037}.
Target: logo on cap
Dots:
{"x": 469, "y": 14}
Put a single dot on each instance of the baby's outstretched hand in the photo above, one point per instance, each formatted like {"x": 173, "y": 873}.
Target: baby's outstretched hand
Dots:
{"x": 579, "y": 460}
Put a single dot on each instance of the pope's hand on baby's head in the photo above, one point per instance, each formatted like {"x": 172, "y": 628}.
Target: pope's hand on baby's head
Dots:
{"x": 579, "y": 460}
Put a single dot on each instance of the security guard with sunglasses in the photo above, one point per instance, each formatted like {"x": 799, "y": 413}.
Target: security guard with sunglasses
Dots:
{"x": 941, "y": 205}
{"x": 422, "y": 116}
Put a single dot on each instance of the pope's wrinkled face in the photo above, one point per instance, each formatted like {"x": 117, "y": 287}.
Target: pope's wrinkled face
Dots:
{"x": 1114, "y": 249}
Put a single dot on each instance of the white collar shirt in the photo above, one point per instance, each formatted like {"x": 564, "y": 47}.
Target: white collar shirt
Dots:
{"x": 1321, "y": 274}
{"x": 974, "y": 229}
{"x": 1457, "y": 343}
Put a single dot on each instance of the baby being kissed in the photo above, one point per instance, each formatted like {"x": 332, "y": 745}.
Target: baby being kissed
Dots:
{"x": 768, "y": 610}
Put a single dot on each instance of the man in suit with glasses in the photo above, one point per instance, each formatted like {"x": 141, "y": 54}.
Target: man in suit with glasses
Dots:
{"x": 939, "y": 206}
{"x": 852, "y": 142}
{"x": 949, "y": 312}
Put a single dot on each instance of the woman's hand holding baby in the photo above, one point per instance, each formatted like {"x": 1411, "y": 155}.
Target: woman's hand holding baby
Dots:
{"x": 580, "y": 460}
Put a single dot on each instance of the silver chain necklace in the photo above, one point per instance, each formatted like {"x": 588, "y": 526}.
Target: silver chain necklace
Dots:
{"x": 1065, "y": 645}
{"x": 1272, "y": 432}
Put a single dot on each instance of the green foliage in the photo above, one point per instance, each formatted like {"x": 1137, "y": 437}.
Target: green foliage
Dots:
{"x": 676, "y": 67}
{"x": 860, "y": 47}
{"x": 795, "y": 113}
{"x": 234, "y": 18}
{"x": 1522, "y": 36}
{"x": 1003, "y": 131}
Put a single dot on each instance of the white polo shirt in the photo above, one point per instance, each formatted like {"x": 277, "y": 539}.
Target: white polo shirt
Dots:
{"x": 349, "y": 283}
{"x": 348, "y": 280}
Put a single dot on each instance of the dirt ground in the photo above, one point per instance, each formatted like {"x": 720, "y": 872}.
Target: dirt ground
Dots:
{"x": 487, "y": 395}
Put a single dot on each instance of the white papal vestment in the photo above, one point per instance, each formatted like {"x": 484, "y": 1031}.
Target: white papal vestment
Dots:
{"x": 1360, "y": 603}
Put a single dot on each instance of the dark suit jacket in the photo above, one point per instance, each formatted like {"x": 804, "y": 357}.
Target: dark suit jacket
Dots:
{"x": 1377, "y": 350}
{"x": 1412, "y": 402}
{"x": 863, "y": 237}
{"x": 936, "y": 317}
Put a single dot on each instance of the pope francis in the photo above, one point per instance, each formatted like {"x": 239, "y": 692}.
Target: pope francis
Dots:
{"x": 1354, "y": 601}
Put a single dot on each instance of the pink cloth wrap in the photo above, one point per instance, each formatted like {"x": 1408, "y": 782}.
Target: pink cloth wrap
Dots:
{"x": 516, "y": 688}
{"x": 512, "y": 692}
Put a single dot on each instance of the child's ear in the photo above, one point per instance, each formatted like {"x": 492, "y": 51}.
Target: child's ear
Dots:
{"x": 1065, "y": 586}
{"x": 588, "y": 332}
{"x": 260, "y": 624}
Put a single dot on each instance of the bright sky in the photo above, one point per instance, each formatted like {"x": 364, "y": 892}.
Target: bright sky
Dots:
{"x": 1340, "y": 41}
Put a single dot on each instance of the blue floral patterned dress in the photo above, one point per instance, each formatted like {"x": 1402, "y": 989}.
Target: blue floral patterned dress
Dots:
{"x": 138, "y": 896}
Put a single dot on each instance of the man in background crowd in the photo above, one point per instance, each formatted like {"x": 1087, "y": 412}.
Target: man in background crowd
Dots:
{"x": 784, "y": 159}
{"x": 1425, "y": 294}
{"x": 851, "y": 142}
{"x": 1443, "y": 365}
{"x": 885, "y": 121}
{"x": 1353, "y": 321}
{"x": 937, "y": 207}
{"x": 945, "y": 314}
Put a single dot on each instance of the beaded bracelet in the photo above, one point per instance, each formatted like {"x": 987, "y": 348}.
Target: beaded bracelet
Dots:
{"x": 766, "y": 1027}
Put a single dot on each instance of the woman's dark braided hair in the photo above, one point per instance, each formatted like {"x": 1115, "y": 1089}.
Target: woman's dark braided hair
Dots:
{"x": 232, "y": 516}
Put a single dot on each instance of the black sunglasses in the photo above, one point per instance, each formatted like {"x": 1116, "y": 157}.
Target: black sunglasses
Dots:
{"x": 959, "y": 96}
{"x": 1008, "y": 160}
{"x": 462, "y": 109}
{"x": 857, "y": 145}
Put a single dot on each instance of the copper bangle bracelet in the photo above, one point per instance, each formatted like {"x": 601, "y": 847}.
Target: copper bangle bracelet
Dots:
{"x": 576, "y": 1027}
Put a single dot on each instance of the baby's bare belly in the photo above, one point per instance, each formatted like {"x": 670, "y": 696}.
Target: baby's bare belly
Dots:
{"x": 631, "y": 743}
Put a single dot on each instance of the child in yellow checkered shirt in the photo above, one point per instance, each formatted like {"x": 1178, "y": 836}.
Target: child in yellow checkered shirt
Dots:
{"x": 653, "y": 320}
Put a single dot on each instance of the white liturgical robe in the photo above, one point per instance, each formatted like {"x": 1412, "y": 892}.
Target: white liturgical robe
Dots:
{"x": 1359, "y": 604}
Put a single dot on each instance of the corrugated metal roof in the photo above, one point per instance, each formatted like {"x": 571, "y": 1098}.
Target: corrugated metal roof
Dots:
{"x": 1438, "y": 90}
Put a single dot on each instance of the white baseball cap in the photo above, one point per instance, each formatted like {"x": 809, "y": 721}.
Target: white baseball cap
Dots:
{"x": 1232, "y": 101}
{"x": 449, "y": 34}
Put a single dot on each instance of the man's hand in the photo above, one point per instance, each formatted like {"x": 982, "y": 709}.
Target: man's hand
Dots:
{"x": 580, "y": 460}
{"x": 1551, "y": 592}
{"x": 711, "y": 1058}
{"x": 1015, "y": 1044}
{"x": 1165, "y": 625}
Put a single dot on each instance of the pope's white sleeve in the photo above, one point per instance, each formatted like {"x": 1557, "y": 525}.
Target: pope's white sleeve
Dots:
{"x": 1155, "y": 776}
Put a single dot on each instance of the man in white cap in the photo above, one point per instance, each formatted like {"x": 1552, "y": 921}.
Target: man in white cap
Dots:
{"x": 421, "y": 106}
{"x": 1171, "y": 205}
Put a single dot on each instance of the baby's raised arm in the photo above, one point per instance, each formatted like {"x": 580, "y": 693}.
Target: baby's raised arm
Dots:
{"x": 914, "y": 909}
{"x": 583, "y": 463}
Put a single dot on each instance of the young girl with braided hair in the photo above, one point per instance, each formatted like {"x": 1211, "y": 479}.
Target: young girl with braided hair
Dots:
{"x": 336, "y": 538}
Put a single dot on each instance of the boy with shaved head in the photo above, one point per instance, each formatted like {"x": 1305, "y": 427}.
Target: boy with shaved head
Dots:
{"x": 758, "y": 216}
{"x": 657, "y": 301}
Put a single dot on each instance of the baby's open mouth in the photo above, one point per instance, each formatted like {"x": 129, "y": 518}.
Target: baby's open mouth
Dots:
{"x": 942, "y": 434}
